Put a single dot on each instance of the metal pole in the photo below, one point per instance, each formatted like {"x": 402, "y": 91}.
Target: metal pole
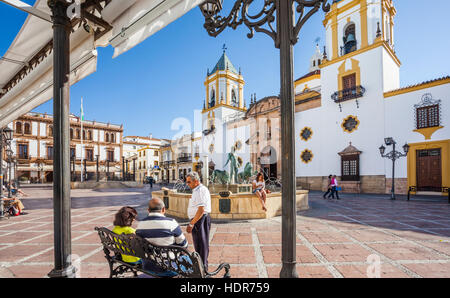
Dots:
{"x": 285, "y": 16}
{"x": 393, "y": 173}
{"x": 107, "y": 170}
{"x": 9, "y": 175}
{"x": 123, "y": 168}
{"x": 134, "y": 169}
{"x": 2, "y": 216}
{"x": 61, "y": 162}
{"x": 84, "y": 170}
{"x": 97, "y": 175}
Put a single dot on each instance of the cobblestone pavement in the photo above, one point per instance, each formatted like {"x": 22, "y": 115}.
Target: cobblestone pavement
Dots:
{"x": 342, "y": 238}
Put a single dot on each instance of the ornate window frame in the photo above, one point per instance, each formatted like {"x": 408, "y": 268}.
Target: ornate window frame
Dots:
{"x": 347, "y": 119}
{"x": 427, "y": 102}
{"x": 307, "y": 138}
{"x": 303, "y": 157}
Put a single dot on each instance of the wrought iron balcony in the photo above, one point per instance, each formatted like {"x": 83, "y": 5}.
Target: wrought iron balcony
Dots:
{"x": 168, "y": 163}
{"x": 184, "y": 158}
{"x": 348, "y": 94}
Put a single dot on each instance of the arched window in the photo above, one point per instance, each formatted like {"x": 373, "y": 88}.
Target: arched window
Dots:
{"x": 269, "y": 130}
{"x": 18, "y": 127}
{"x": 84, "y": 135}
{"x": 234, "y": 101}
{"x": 349, "y": 39}
{"x": 212, "y": 101}
{"x": 106, "y": 137}
{"x": 78, "y": 134}
{"x": 50, "y": 130}
{"x": 89, "y": 135}
{"x": 113, "y": 138}
{"x": 27, "y": 128}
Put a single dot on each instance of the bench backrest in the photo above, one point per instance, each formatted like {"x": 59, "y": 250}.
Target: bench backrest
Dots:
{"x": 170, "y": 258}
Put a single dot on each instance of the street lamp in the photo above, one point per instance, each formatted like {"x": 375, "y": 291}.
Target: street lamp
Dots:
{"x": 9, "y": 154}
{"x": 6, "y": 136}
{"x": 276, "y": 19}
{"x": 393, "y": 155}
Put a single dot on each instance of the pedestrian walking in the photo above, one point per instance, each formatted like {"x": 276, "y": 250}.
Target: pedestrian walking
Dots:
{"x": 199, "y": 208}
{"x": 334, "y": 188}
{"x": 328, "y": 187}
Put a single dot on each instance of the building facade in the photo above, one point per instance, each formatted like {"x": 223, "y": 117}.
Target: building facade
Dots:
{"x": 349, "y": 101}
{"x": 142, "y": 157}
{"x": 98, "y": 143}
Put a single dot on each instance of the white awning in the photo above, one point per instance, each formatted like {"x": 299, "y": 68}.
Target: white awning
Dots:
{"x": 132, "y": 22}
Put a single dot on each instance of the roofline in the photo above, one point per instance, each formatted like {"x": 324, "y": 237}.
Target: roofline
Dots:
{"x": 417, "y": 87}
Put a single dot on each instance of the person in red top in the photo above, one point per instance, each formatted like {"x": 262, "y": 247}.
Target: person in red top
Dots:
{"x": 334, "y": 185}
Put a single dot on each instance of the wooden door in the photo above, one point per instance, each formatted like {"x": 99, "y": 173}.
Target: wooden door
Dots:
{"x": 429, "y": 170}
{"x": 349, "y": 82}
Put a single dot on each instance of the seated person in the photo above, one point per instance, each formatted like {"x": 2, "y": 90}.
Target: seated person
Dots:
{"x": 259, "y": 186}
{"x": 16, "y": 204}
{"x": 122, "y": 225}
{"x": 161, "y": 231}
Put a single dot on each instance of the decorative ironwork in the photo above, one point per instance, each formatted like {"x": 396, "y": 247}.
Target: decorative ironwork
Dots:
{"x": 306, "y": 134}
{"x": 306, "y": 156}
{"x": 348, "y": 94}
{"x": 427, "y": 113}
{"x": 393, "y": 155}
{"x": 264, "y": 21}
{"x": 168, "y": 258}
{"x": 210, "y": 130}
{"x": 184, "y": 157}
{"x": 350, "y": 124}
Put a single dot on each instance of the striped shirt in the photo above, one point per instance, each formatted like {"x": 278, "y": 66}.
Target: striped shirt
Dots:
{"x": 160, "y": 230}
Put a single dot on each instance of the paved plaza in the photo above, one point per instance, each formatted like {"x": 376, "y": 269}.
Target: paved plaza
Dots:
{"x": 334, "y": 238}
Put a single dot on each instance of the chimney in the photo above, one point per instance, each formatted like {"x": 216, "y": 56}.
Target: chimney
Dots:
{"x": 150, "y": 136}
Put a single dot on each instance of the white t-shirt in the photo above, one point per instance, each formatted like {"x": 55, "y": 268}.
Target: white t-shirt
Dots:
{"x": 200, "y": 197}
{"x": 260, "y": 184}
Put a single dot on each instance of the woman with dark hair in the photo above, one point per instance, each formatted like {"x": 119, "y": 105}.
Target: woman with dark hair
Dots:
{"x": 259, "y": 188}
{"x": 328, "y": 187}
{"x": 122, "y": 225}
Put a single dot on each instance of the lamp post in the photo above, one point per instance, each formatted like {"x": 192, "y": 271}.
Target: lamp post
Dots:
{"x": 6, "y": 136}
{"x": 9, "y": 154}
{"x": 275, "y": 19}
{"x": 393, "y": 155}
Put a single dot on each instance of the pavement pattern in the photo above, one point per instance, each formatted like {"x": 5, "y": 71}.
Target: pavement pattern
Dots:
{"x": 358, "y": 236}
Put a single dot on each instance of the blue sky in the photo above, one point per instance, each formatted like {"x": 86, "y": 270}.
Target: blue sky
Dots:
{"x": 162, "y": 78}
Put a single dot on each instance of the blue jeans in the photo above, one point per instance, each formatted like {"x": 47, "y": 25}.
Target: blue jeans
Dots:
{"x": 158, "y": 271}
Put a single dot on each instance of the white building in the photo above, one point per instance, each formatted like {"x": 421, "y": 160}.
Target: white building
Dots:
{"x": 345, "y": 107}
{"x": 142, "y": 156}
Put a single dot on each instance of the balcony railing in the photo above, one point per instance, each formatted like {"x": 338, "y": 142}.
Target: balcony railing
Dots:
{"x": 184, "y": 158}
{"x": 348, "y": 94}
{"x": 167, "y": 163}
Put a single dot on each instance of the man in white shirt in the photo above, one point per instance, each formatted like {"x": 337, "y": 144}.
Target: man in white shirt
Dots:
{"x": 199, "y": 208}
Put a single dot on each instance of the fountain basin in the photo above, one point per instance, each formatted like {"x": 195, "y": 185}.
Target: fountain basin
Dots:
{"x": 244, "y": 205}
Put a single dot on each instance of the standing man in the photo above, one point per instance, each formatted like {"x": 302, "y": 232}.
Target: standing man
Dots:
{"x": 198, "y": 211}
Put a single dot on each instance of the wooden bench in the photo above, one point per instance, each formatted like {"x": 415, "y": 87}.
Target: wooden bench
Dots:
{"x": 169, "y": 258}
{"x": 442, "y": 189}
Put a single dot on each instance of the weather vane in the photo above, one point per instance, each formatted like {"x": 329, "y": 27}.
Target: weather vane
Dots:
{"x": 317, "y": 40}
{"x": 224, "y": 48}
